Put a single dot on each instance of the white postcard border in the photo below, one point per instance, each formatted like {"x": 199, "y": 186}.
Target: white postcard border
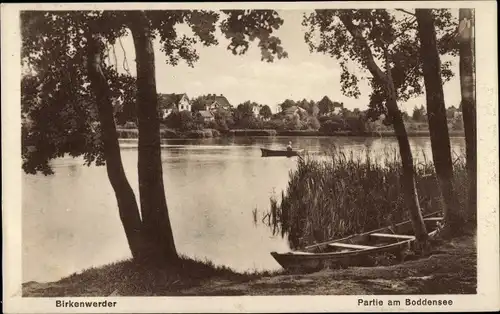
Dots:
{"x": 488, "y": 216}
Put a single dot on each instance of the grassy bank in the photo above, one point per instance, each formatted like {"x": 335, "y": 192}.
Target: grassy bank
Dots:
{"x": 128, "y": 278}
{"x": 338, "y": 195}
{"x": 451, "y": 269}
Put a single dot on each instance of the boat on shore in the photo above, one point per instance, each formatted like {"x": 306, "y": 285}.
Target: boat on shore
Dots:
{"x": 358, "y": 249}
{"x": 284, "y": 152}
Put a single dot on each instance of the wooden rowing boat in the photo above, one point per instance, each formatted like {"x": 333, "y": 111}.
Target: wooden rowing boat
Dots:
{"x": 356, "y": 250}
{"x": 286, "y": 153}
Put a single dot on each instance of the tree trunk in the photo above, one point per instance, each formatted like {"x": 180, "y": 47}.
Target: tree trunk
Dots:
{"x": 408, "y": 176}
{"x": 436, "y": 114}
{"x": 155, "y": 219}
{"x": 467, "y": 84}
{"x": 127, "y": 204}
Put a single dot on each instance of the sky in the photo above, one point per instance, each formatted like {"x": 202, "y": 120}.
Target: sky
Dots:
{"x": 240, "y": 78}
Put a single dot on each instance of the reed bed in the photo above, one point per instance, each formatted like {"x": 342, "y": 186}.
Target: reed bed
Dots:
{"x": 339, "y": 194}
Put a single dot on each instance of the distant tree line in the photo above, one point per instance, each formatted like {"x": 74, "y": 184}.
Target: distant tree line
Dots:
{"x": 310, "y": 115}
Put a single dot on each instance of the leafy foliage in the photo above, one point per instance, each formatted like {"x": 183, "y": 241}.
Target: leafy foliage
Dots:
{"x": 197, "y": 104}
{"x": 224, "y": 120}
{"x": 287, "y": 104}
{"x": 244, "y": 26}
{"x": 182, "y": 120}
{"x": 58, "y": 108}
{"x": 419, "y": 114}
{"x": 265, "y": 112}
{"x": 382, "y": 29}
{"x": 244, "y": 117}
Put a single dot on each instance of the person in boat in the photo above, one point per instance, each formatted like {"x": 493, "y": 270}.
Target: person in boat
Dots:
{"x": 289, "y": 146}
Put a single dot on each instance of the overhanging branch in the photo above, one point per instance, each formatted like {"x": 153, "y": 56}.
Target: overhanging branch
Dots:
{"x": 405, "y": 11}
{"x": 406, "y": 27}
{"x": 365, "y": 48}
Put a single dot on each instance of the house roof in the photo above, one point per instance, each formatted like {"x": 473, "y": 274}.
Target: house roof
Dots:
{"x": 207, "y": 102}
{"x": 205, "y": 114}
{"x": 293, "y": 109}
{"x": 223, "y": 101}
{"x": 220, "y": 99}
{"x": 167, "y": 101}
{"x": 325, "y": 100}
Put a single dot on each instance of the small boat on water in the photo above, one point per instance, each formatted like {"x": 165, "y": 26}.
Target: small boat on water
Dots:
{"x": 356, "y": 250}
{"x": 287, "y": 153}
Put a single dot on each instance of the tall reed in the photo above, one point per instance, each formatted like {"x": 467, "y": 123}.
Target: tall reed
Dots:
{"x": 339, "y": 194}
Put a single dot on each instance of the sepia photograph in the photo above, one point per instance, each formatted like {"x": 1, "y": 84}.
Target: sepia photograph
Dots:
{"x": 242, "y": 150}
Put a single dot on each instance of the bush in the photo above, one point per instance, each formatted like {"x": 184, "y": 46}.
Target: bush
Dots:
{"x": 210, "y": 125}
{"x": 276, "y": 124}
{"x": 183, "y": 120}
{"x": 294, "y": 123}
{"x": 168, "y": 133}
{"x": 313, "y": 123}
{"x": 457, "y": 124}
{"x": 127, "y": 133}
{"x": 355, "y": 124}
{"x": 330, "y": 127}
{"x": 205, "y": 133}
{"x": 129, "y": 125}
{"x": 215, "y": 133}
{"x": 250, "y": 122}
{"x": 224, "y": 120}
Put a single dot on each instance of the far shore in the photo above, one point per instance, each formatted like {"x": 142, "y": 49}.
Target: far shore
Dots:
{"x": 212, "y": 133}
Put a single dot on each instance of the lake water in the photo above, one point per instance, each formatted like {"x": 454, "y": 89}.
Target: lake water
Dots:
{"x": 71, "y": 222}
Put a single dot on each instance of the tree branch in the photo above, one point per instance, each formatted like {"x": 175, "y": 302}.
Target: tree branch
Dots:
{"x": 365, "y": 48}
{"x": 407, "y": 12}
{"x": 407, "y": 26}
{"x": 387, "y": 63}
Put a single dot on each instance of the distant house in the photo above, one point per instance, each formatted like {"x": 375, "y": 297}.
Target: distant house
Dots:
{"x": 328, "y": 107}
{"x": 173, "y": 102}
{"x": 206, "y": 115}
{"x": 453, "y": 113}
{"x": 457, "y": 115}
{"x": 214, "y": 102}
{"x": 256, "y": 110}
{"x": 293, "y": 111}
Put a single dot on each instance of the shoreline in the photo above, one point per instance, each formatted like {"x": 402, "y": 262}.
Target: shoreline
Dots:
{"x": 212, "y": 133}
{"x": 449, "y": 269}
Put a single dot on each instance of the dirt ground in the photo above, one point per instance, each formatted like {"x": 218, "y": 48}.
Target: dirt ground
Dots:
{"x": 450, "y": 269}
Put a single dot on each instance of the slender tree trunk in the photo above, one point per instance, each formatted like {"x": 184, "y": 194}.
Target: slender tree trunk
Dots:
{"x": 467, "y": 83}
{"x": 127, "y": 204}
{"x": 408, "y": 176}
{"x": 436, "y": 114}
{"x": 156, "y": 223}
